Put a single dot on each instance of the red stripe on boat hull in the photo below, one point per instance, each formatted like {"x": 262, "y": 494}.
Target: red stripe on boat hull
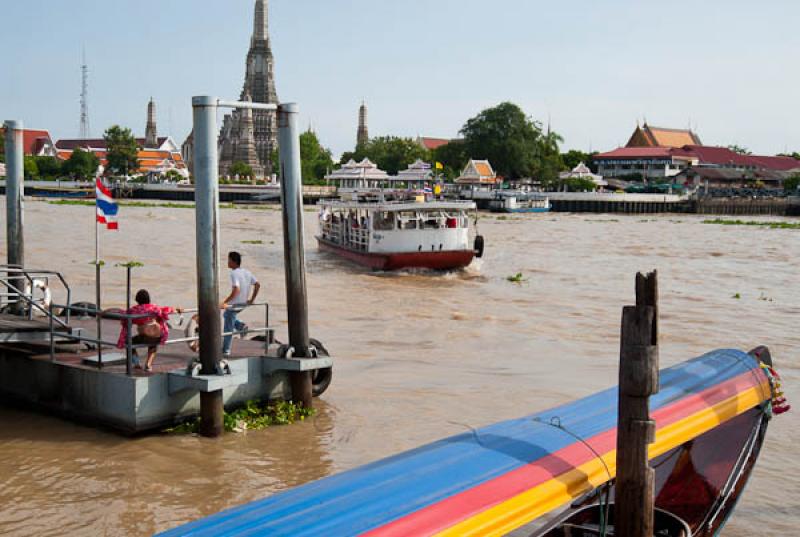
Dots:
{"x": 447, "y": 260}
{"x": 460, "y": 506}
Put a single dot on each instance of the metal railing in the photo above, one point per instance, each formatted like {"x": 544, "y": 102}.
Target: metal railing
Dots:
{"x": 346, "y": 235}
{"x": 17, "y": 296}
{"x": 129, "y": 318}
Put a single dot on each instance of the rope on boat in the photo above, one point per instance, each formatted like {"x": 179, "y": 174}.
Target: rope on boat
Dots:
{"x": 605, "y": 504}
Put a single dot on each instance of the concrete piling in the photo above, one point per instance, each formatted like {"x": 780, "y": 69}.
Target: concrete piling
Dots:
{"x": 292, "y": 200}
{"x": 15, "y": 191}
{"x": 207, "y": 247}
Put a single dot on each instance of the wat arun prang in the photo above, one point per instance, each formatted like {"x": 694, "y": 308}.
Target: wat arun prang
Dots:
{"x": 251, "y": 136}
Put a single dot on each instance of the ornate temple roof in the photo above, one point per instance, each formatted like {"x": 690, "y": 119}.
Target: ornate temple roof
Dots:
{"x": 365, "y": 169}
{"x": 649, "y": 136}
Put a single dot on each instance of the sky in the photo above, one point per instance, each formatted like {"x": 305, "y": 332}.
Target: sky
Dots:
{"x": 593, "y": 68}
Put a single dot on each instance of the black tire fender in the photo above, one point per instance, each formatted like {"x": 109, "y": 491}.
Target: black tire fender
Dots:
{"x": 320, "y": 378}
{"x": 479, "y": 245}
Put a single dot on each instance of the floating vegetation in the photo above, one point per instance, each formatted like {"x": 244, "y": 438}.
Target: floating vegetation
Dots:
{"x": 503, "y": 218}
{"x": 771, "y": 225}
{"x": 254, "y": 416}
{"x": 517, "y": 278}
{"x": 737, "y": 296}
{"x": 252, "y": 242}
{"x": 130, "y": 264}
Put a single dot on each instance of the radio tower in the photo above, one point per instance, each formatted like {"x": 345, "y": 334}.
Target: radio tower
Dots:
{"x": 85, "y": 130}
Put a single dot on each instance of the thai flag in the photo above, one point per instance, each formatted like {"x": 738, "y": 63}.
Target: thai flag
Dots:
{"x": 427, "y": 189}
{"x": 106, "y": 208}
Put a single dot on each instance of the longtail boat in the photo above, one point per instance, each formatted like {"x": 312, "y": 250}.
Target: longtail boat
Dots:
{"x": 548, "y": 474}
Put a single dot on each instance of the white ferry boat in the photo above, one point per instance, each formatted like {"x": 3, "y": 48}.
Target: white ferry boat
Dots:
{"x": 519, "y": 202}
{"x": 390, "y": 235}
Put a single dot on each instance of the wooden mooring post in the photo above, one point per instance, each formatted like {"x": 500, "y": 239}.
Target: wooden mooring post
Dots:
{"x": 638, "y": 380}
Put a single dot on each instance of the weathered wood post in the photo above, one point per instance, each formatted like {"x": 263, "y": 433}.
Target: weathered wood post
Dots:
{"x": 638, "y": 380}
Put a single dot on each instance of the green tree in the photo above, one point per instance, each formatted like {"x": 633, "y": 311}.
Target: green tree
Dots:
{"x": 81, "y": 165}
{"x": 122, "y": 150}
{"x": 30, "y": 169}
{"x": 791, "y": 184}
{"x": 453, "y": 156}
{"x": 577, "y": 184}
{"x": 573, "y": 157}
{"x": 241, "y": 169}
{"x": 739, "y": 149}
{"x": 2, "y": 145}
{"x": 49, "y": 167}
{"x": 390, "y": 153}
{"x": 507, "y": 138}
{"x": 549, "y": 162}
{"x": 316, "y": 161}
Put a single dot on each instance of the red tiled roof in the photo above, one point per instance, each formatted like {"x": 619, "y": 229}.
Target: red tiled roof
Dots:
{"x": 83, "y": 143}
{"x": 97, "y": 143}
{"x": 433, "y": 143}
{"x": 718, "y": 156}
{"x": 33, "y": 140}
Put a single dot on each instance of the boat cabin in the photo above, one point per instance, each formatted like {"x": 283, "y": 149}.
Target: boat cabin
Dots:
{"x": 392, "y": 227}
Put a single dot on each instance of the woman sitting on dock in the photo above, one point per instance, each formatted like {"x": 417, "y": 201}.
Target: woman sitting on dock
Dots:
{"x": 151, "y": 331}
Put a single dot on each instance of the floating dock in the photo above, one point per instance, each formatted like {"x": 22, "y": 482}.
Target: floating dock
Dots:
{"x": 71, "y": 384}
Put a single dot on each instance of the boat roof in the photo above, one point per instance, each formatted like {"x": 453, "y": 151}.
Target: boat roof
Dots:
{"x": 401, "y": 205}
{"x": 501, "y": 477}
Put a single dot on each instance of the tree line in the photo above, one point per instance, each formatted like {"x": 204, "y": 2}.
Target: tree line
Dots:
{"x": 516, "y": 146}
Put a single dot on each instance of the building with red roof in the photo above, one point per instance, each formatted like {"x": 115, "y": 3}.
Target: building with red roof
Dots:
{"x": 36, "y": 143}
{"x": 432, "y": 143}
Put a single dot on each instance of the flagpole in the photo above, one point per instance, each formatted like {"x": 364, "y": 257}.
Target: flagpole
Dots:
{"x": 97, "y": 284}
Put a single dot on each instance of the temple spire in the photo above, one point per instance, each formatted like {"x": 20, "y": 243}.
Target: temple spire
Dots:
{"x": 260, "y": 28}
{"x": 362, "y": 136}
{"x": 151, "y": 131}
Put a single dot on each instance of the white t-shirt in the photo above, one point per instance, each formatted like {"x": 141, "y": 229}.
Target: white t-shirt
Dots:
{"x": 243, "y": 279}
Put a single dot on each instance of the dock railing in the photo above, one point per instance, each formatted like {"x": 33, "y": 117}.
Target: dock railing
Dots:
{"x": 129, "y": 318}
{"x": 13, "y": 295}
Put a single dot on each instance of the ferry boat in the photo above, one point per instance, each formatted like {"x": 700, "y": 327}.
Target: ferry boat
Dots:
{"x": 400, "y": 234}
{"x": 519, "y": 202}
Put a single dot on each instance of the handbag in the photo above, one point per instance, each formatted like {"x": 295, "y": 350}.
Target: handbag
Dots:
{"x": 151, "y": 330}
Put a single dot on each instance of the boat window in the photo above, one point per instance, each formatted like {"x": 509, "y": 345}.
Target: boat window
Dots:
{"x": 384, "y": 221}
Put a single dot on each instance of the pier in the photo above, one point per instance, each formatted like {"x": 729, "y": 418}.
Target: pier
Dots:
{"x": 62, "y": 357}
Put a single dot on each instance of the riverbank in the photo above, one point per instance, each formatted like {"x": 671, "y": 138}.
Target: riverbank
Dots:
{"x": 417, "y": 354}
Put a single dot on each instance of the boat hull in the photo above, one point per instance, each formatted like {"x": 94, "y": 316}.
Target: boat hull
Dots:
{"x": 443, "y": 260}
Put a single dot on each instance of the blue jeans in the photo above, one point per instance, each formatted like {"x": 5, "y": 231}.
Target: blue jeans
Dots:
{"x": 231, "y": 323}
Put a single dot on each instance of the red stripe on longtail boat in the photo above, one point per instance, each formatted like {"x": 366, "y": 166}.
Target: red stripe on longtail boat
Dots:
{"x": 454, "y": 509}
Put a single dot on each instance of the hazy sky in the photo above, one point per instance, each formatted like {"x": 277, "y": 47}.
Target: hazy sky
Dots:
{"x": 730, "y": 67}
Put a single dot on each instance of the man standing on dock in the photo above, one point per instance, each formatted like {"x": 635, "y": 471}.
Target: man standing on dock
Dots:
{"x": 241, "y": 282}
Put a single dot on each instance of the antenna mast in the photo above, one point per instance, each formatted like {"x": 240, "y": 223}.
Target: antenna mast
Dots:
{"x": 85, "y": 130}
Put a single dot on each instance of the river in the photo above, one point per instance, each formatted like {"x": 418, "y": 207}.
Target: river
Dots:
{"x": 418, "y": 356}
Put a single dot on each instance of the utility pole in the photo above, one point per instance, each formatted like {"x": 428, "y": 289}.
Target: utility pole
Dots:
{"x": 85, "y": 129}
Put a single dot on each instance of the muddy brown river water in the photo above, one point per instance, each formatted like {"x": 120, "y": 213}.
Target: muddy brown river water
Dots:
{"x": 418, "y": 356}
